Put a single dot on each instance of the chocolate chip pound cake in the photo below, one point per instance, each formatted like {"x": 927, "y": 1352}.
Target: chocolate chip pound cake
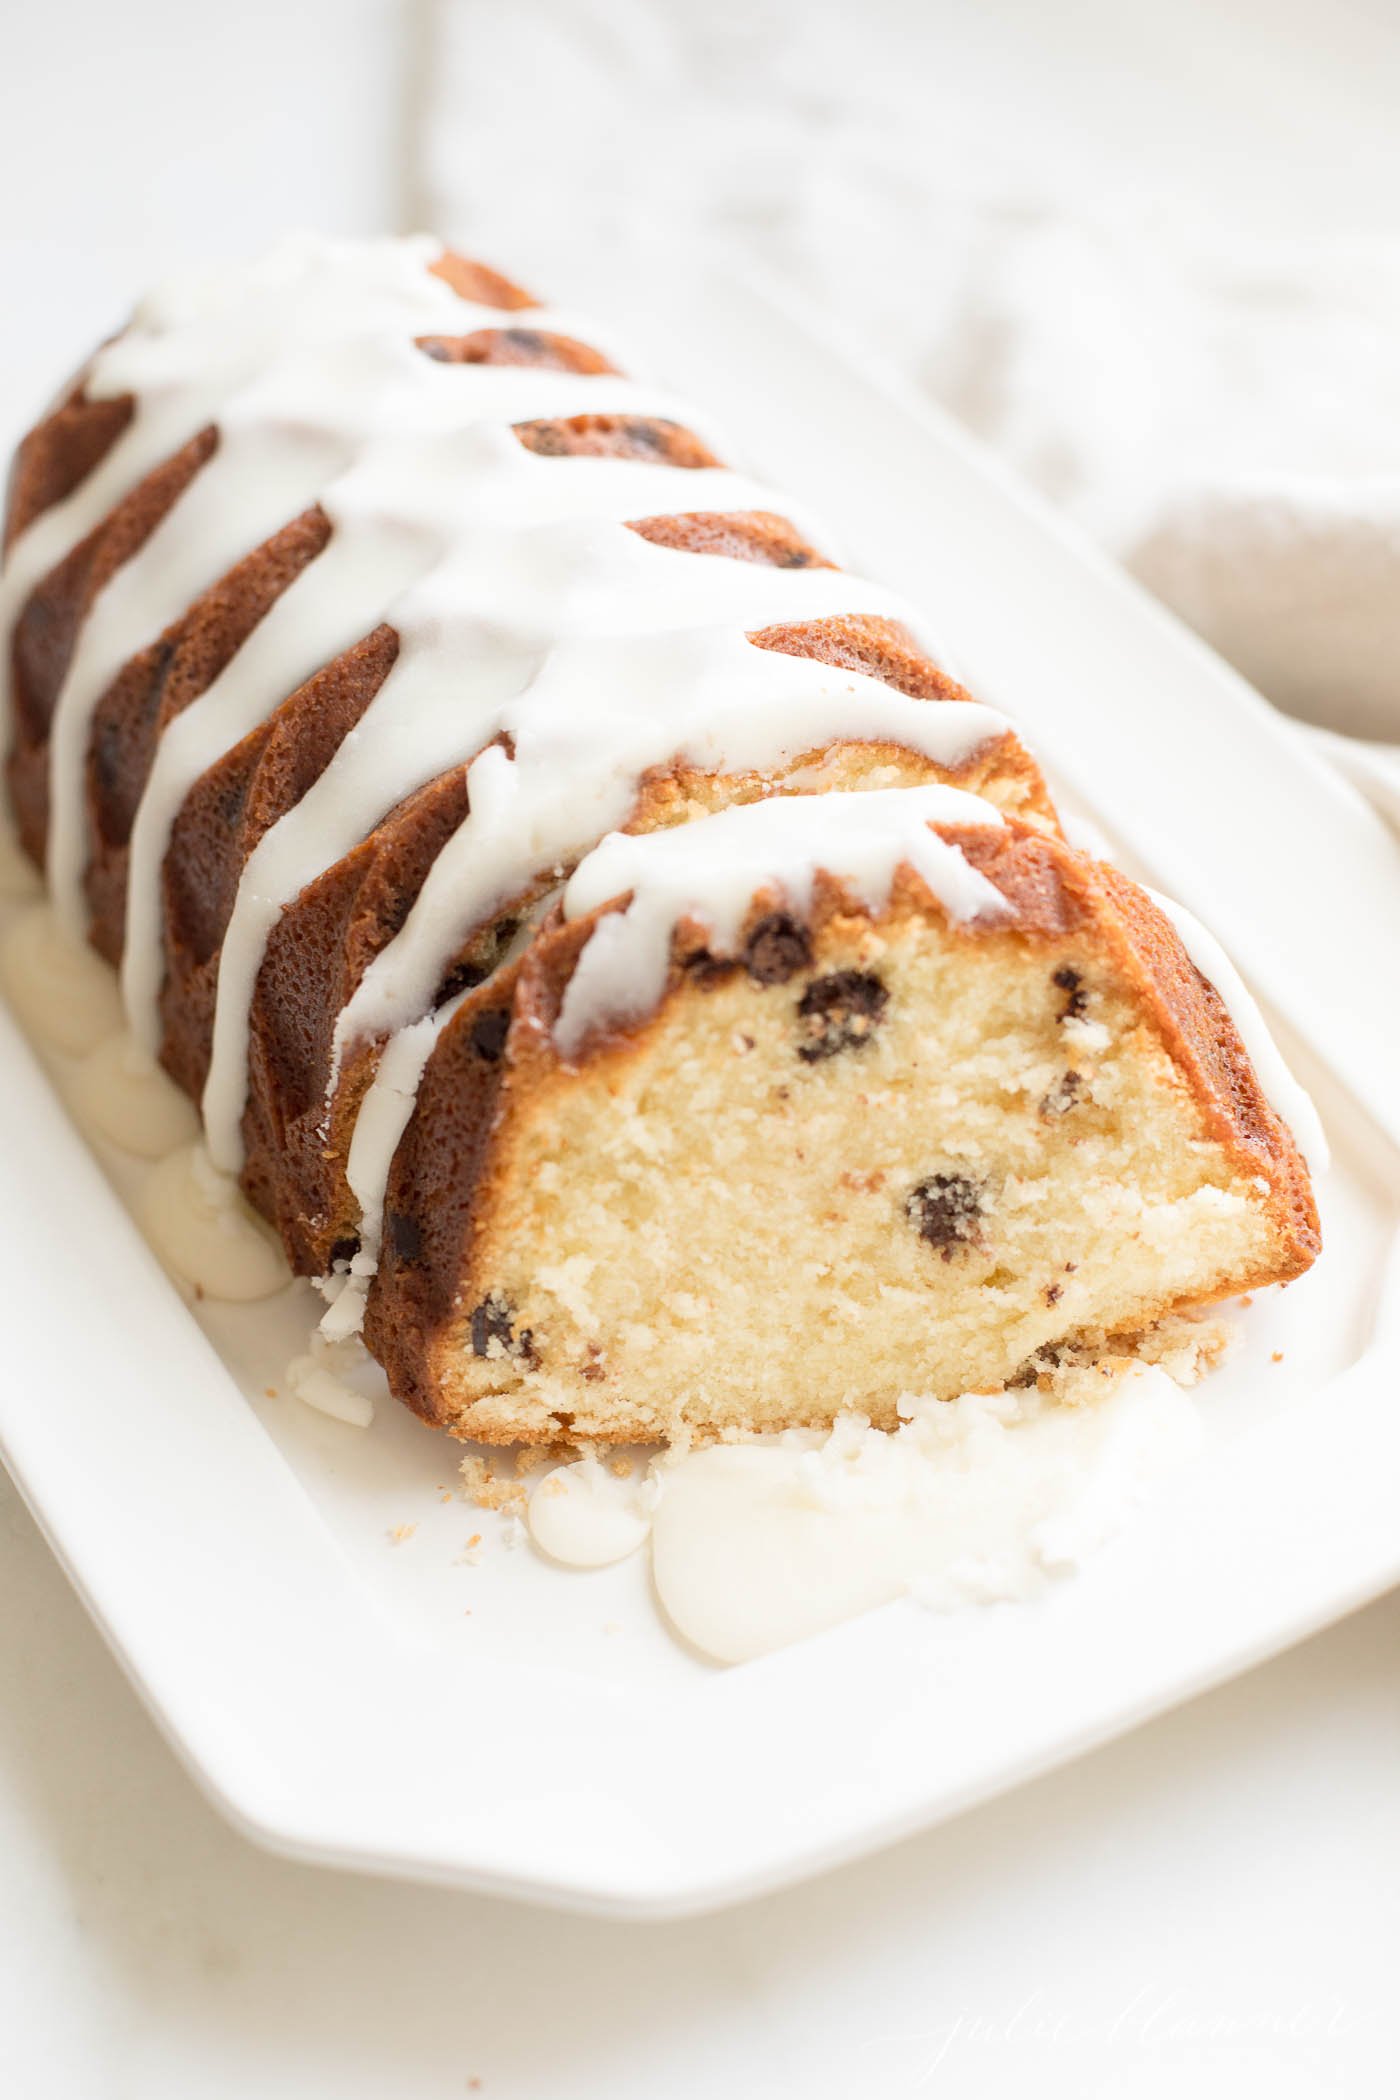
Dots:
{"x": 621, "y": 961}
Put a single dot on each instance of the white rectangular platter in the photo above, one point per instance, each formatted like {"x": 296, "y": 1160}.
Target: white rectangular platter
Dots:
{"x": 407, "y": 1706}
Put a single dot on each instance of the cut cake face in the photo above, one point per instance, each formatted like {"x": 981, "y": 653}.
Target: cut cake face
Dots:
{"x": 856, "y": 1151}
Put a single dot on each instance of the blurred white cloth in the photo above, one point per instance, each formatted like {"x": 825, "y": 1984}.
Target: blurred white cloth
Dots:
{"x": 1220, "y": 408}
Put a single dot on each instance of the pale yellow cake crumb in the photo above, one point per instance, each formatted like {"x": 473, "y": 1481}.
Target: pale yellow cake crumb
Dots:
{"x": 488, "y": 1489}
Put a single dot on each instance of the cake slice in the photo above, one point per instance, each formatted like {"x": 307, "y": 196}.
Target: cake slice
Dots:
{"x": 811, "y": 1105}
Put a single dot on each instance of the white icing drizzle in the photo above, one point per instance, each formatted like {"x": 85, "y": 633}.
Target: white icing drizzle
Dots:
{"x": 492, "y": 564}
{"x": 300, "y": 362}
{"x": 1291, "y": 1101}
{"x": 526, "y": 633}
{"x": 391, "y": 516}
{"x": 600, "y": 712}
{"x": 711, "y": 869}
{"x": 524, "y": 609}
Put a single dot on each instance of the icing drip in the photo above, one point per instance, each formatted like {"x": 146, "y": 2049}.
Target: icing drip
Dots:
{"x": 600, "y": 655}
{"x": 599, "y": 713}
{"x": 121, "y": 1092}
{"x": 587, "y": 1517}
{"x": 205, "y": 1233}
{"x": 391, "y": 514}
{"x": 1280, "y": 1088}
{"x": 986, "y": 1498}
{"x": 60, "y": 989}
{"x": 972, "y": 1501}
{"x": 712, "y": 868}
{"x": 19, "y": 878}
{"x": 301, "y": 363}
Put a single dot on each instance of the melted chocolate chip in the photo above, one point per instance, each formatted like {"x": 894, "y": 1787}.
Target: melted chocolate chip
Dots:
{"x": 493, "y": 1321}
{"x": 343, "y": 1250}
{"x": 1063, "y": 1097}
{"x": 708, "y": 970}
{"x": 947, "y": 1209}
{"x": 840, "y": 1013}
{"x": 1069, "y": 981}
{"x": 489, "y": 1032}
{"x": 460, "y": 978}
{"x": 777, "y": 949}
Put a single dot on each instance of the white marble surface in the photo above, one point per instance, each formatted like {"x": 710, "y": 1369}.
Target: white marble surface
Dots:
{"x": 1210, "y": 1906}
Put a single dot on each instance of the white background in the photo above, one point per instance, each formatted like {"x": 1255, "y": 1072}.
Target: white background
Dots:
{"x": 1213, "y": 1905}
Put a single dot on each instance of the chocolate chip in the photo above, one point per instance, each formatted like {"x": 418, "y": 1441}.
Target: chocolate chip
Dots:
{"x": 493, "y": 1321}
{"x": 489, "y": 1032}
{"x": 777, "y": 949}
{"x": 1069, "y": 981}
{"x": 460, "y": 978}
{"x": 840, "y": 1013}
{"x": 708, "y": 970}
{"x": 404, "y": 1235}
{"x": 947, "y": 1209}
{"x": 1063, "y": 1097}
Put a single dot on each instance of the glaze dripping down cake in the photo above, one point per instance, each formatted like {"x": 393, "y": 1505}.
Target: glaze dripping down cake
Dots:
{"x": 602, "y": 938}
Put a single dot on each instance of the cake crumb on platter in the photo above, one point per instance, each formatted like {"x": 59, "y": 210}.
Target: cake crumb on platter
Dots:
{"x": 483, "y": 1485}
